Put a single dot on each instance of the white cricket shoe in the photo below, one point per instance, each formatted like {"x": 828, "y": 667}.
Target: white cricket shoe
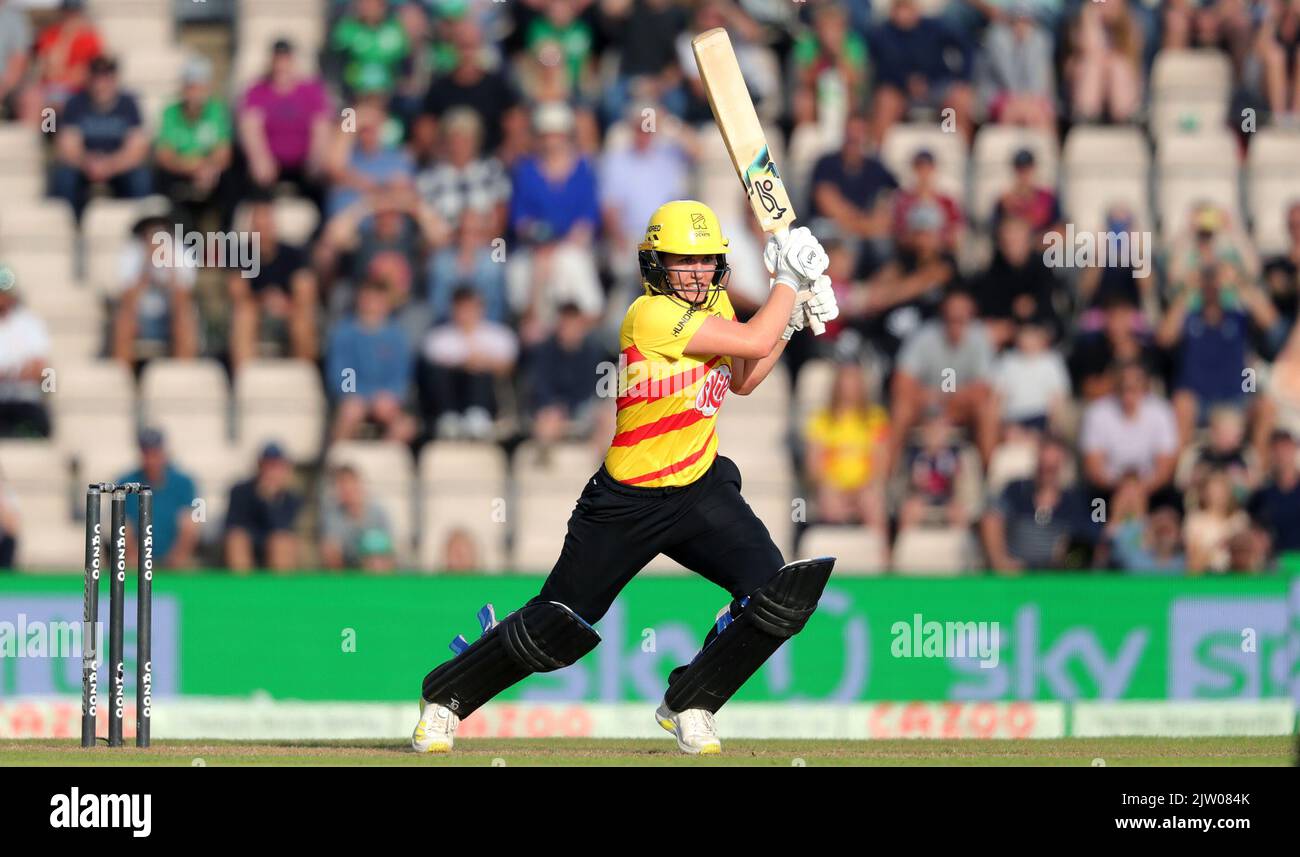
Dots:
{"x": 693, "y": 728}
{"x": 436, "y": 731}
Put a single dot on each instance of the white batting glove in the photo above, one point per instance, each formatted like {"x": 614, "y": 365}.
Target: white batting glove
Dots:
{"x": 797, "y": 260}
{"x": 821, "y": 303}
{"x": 798, "y": 316}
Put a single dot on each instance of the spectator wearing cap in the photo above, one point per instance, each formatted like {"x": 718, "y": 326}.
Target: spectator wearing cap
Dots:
{"x": 469, "y": 191}
{"x": 1103, "y": 68}
{"x": 355, "y": 530}
{"x": 1017, "y": 287}
{"x": 175, "y": 530}
{"x": 947, "y": 364}
{"x": 366, "y": 162}
{"x": 554, "y": 218}
{"x": 285, "y": 128}
{"x": 919, "y": 64}
{"x": 460, "y": 362}
{"x": 1034, "y": 523}
{"x": 15, "y": 50}
{"x": 1014, "y": 70}
{"x": 193, "y": 148}
{"x": 262, "y": 516}
{"x": 372, "y": 48}
{"x": 276, "y": 310}
{"x": 562, "y": 401}
{"x": 1275, "y": 506}
{"x": 1210, "y": 239}
{"x": 925, "y": 191}
{"x": 1028, "y": 199}
{"x": 368, "y": 368}
{"x": 474, "y": 84}
{"x": 1207, "y": 326}
{"x": 854, "y": 190}
{"x": 637, "y": 179}
{"x": 24, "y": 358}
{"x": 152, "y": 299}
{"x": 1129, "y": 431}
{"x": 907, "y": 290}
{"x": 101, "y": 139}
{"x": 61, "y": 57}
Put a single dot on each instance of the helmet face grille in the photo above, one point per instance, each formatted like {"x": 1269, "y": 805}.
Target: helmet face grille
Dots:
{"x": 654, "y": 275}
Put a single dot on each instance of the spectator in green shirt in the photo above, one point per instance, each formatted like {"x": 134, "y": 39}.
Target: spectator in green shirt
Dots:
{"x": 193, "y": 148}
{"x": 372, "y": 46}
{"x": 560, "y": 36}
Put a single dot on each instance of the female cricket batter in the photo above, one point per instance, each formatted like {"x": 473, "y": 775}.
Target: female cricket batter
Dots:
{"x": 663, "y": 488}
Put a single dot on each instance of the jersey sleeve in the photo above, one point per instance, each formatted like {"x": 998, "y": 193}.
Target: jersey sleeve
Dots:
{"x": 663, "y": 327}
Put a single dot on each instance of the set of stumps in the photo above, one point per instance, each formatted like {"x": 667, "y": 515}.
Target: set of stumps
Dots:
{"x": 90, "y": 642}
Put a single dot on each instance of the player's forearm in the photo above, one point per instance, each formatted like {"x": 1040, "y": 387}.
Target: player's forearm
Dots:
{"x": 757, "y": 371}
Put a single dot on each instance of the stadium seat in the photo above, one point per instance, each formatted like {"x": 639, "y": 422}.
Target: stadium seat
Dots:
{"x": 42, "y": 270}
{"x": 92, "y": 406}
{"x": 812, "y": 390}
{"x": 1195, "y": 168}
{"x": 189, "y": 401}
{"x": 386, "y": 471}
{"x": 546, "y": 487}
{"x": 46, "y": 225}
{"x": 463, "y": 486}
{"x": 36, "y": 472}
{"x": 295, "y": 219}
{"x": 280, "y": 400}
{"x": 808, "y": 144}
{"x": 140, "y": 40}
{"x": 1102, "y": 166}
{"x": 926, "y": 552}
{"x": 215, "y": 472}
{"x": 1272, "y": 185}
{"x": 858, "y": 550}
{"x": 74, "y": 319}
{"x": 1010, "y": 462}
{"x": 1189, "y": 91}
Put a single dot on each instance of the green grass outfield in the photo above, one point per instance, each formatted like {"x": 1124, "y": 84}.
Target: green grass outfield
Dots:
{"x": 576, "y": 751}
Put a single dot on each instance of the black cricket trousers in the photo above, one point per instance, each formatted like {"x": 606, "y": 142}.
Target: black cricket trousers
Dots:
{"x": 616, "y": 529}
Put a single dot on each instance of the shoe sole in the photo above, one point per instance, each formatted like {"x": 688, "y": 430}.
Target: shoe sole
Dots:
{"x": 706, "y": 750}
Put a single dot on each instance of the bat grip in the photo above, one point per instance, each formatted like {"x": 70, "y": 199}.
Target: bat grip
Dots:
{"x": 814, "y": 323}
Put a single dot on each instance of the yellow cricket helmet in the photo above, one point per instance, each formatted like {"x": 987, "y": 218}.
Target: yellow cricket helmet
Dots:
{"x": 687, "y": 227}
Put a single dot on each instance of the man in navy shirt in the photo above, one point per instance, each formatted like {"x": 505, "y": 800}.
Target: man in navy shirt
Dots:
{"x": 1276, "y": 505}
{"x": 175, "y": 530}
{"x": 919, "y": 63}
{"x": 853, "y": 189}
{"x": 100, "y": 139}
{"x": 262, "y": 516}
{"x": 1211, "y": 336}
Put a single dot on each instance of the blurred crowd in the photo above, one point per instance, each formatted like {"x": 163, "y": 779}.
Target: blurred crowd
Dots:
{"x": 478, "y": 174}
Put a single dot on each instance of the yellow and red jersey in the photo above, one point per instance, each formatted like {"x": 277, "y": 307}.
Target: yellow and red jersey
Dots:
{"x": 668, "y": 401}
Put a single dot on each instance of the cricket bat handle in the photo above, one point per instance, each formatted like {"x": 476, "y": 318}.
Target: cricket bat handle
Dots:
{"x": 813, "y": 321}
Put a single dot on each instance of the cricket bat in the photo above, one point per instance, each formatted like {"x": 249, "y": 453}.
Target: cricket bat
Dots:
{"x": 733, "y": 110}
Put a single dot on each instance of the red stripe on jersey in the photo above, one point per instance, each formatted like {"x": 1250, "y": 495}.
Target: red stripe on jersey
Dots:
{"x": 672, "y": 468}
{"x": 663, "y": 387}
{"x": 672, "y": 422}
